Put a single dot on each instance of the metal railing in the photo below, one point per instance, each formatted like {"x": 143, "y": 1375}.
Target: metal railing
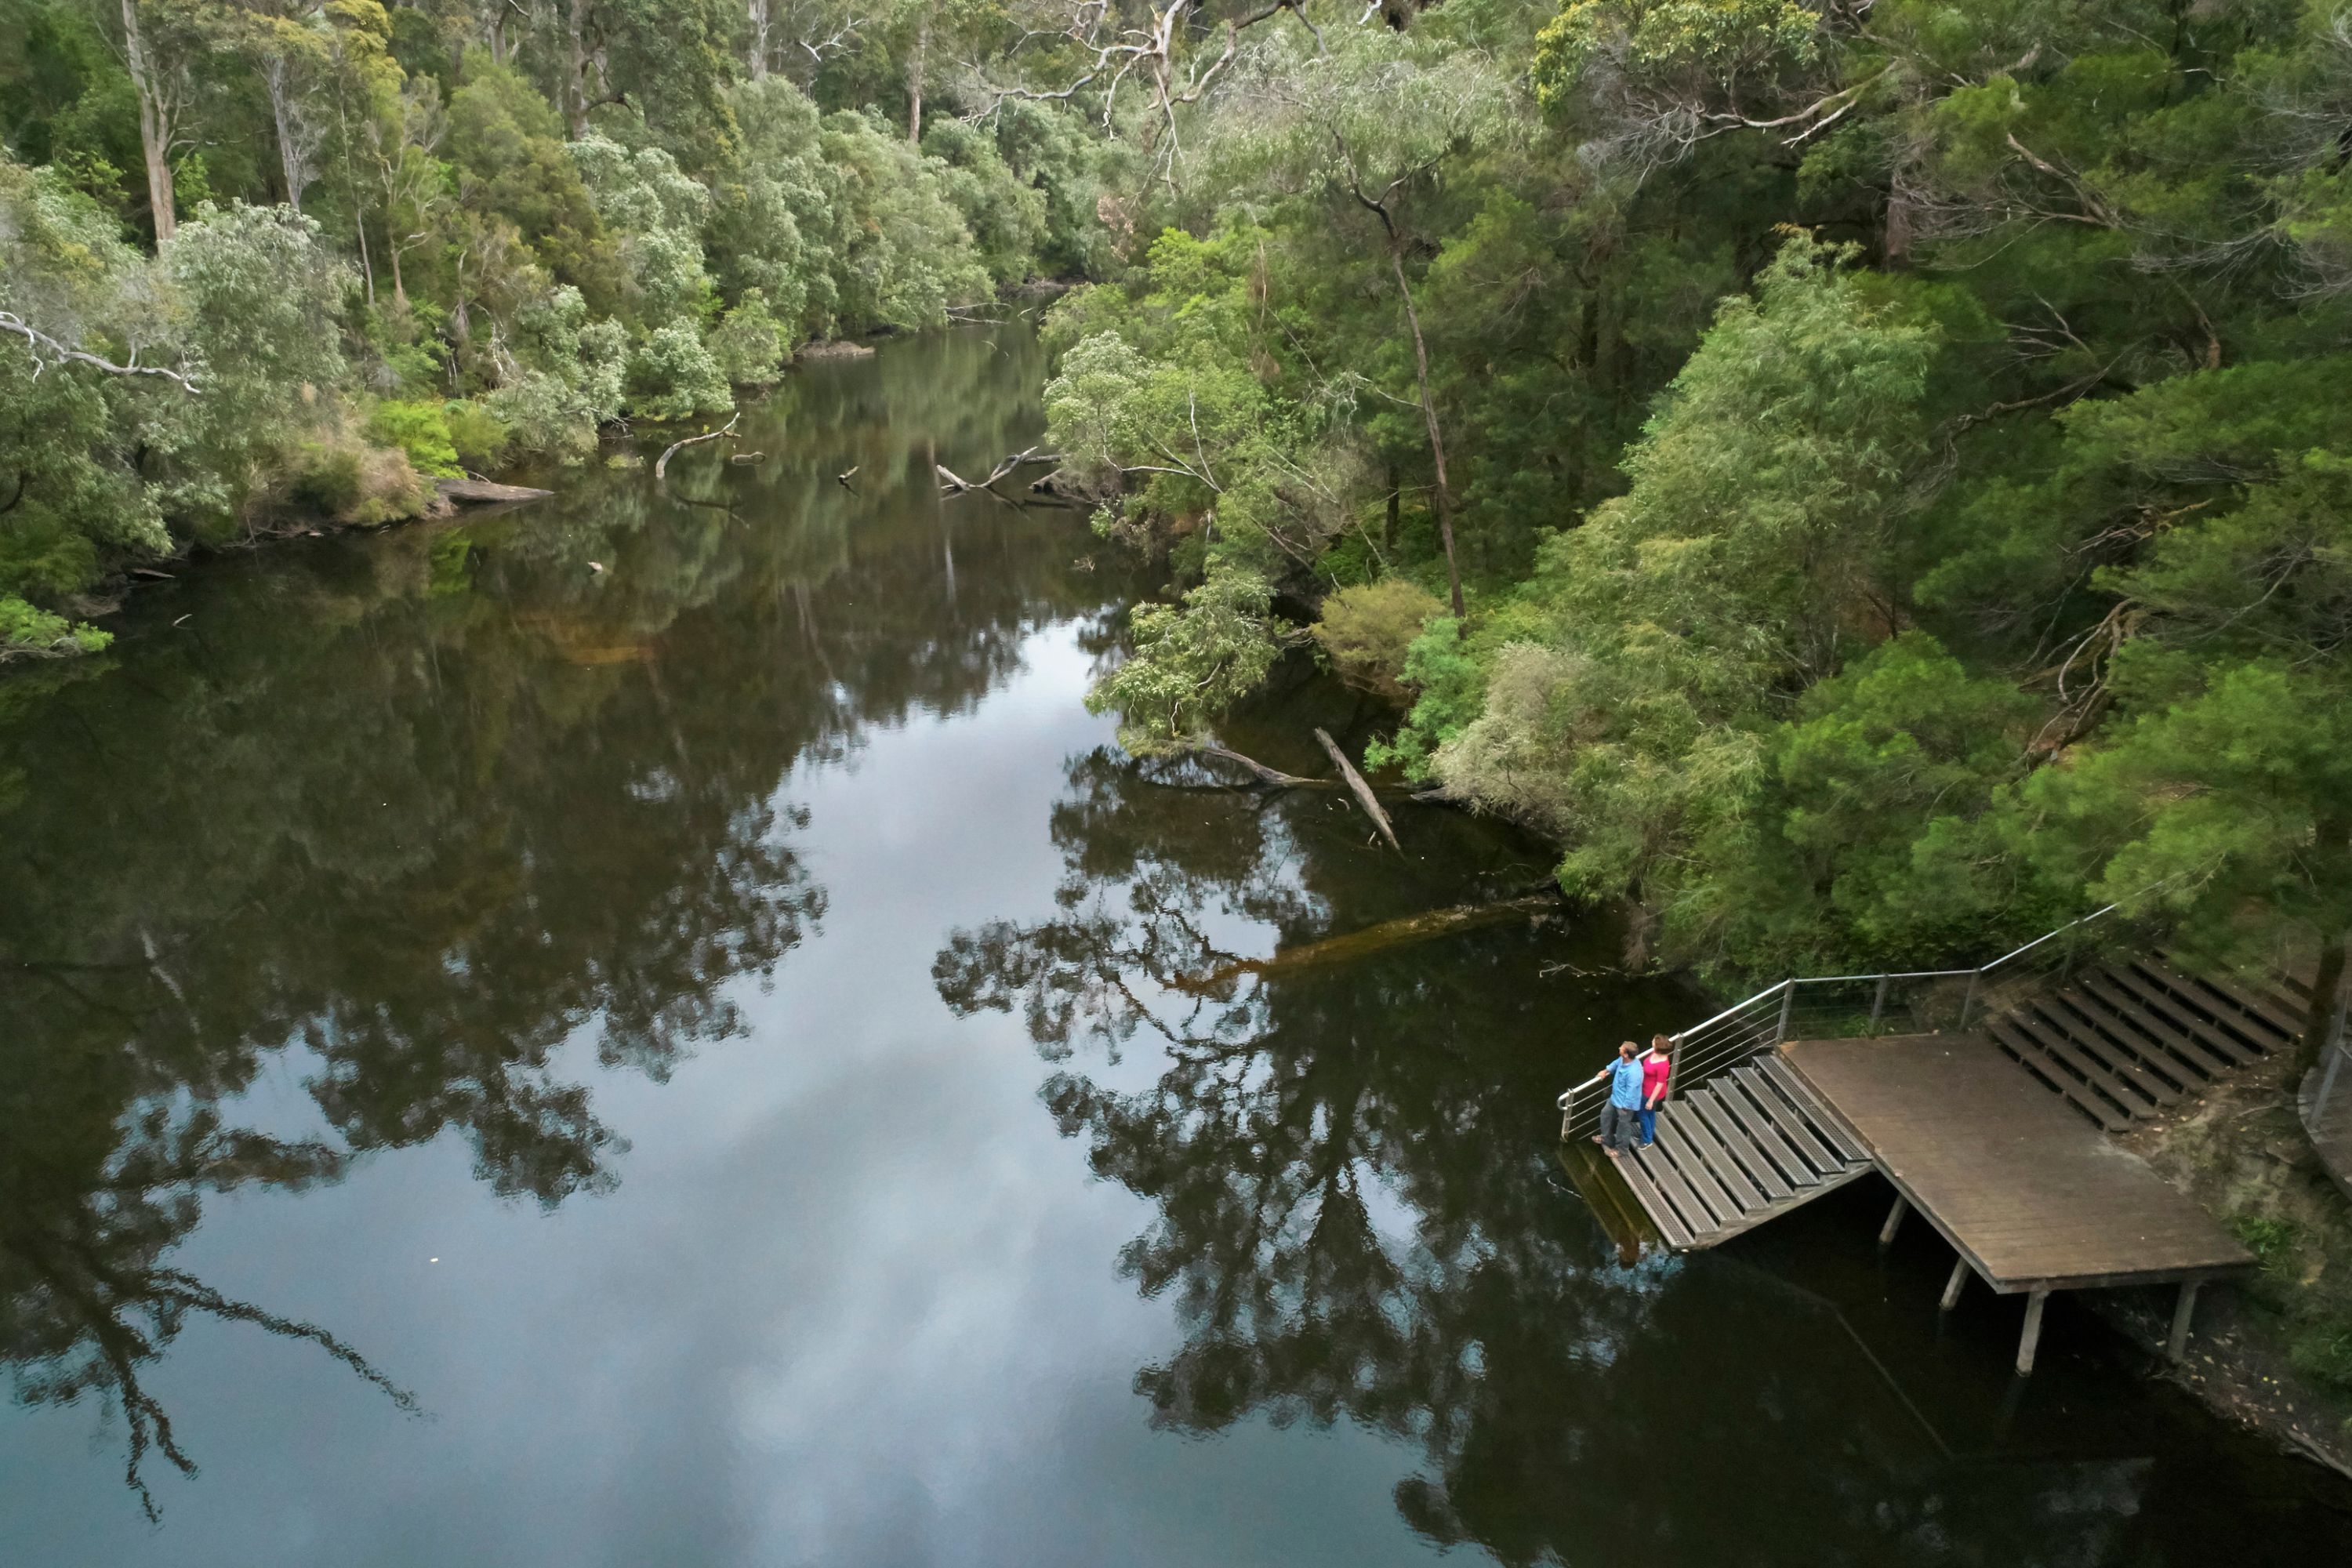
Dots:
{"x": 1816, "y": 1007}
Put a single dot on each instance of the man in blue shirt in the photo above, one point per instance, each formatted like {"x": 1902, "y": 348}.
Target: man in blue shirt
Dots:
{"x": 1619, "y": 1117}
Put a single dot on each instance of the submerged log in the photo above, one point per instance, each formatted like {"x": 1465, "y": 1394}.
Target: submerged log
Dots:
{"x": 1382, "y": 938}
{"x": 1362, "y": 791}
{"x": 482, "y": 492}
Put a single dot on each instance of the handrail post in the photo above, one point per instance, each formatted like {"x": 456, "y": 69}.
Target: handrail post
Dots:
{"x": 1788, "y": 1000}
{"x": 1968, "y": 997}
{"x": 1878, "y": 1001}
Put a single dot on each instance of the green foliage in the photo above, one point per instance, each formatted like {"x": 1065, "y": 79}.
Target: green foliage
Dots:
{"x": 672, "y": 376}
{"x": 1365, "y": 631}
{"x": 750, "y": 343}
{"x": 25, "y": 630}
{"x": 419, "y": 429}
{"x": 1754, "y": 537}
{"x": 1190, "y": 663}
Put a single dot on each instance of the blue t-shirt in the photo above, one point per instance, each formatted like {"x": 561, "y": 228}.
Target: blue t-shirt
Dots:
{"x": 1625, "y": 1084}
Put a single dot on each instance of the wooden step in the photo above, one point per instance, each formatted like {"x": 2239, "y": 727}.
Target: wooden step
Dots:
{"x": 2189, "y": 1055}
{"x": 2282, "y": 1018}
{"x": 2130, "y": 1053}
{"x": 1704, "y": 1104}
{"x": 2161, "y": 1003}
{"x": 1809, "y": 1110}
{"x": 1692, "y": 1128}
{"x": 1750, "y": 1085}
{"x": 2121, "y": 1084}
{"x": 2260, "y": 1029}
{"x": 2028, "y": 1054}
{"x": 1765, "y": 1136}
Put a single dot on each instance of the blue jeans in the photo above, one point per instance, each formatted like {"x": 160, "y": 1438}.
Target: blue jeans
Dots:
{"x": 1649, "y": 1124}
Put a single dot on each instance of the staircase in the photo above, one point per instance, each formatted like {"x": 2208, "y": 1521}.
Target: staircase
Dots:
{"x": 1750, "y": 1144}
{"x": 2127, "y": 1038}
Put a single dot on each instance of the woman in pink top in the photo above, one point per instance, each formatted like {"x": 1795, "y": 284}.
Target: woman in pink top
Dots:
{"x": 1658, "y": 1065}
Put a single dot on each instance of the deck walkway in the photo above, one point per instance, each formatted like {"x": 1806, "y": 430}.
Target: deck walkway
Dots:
{"x": 2028, "y": 1192}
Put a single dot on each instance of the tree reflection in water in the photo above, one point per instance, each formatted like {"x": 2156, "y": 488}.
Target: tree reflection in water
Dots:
{"x": 409, "y": 814}
{"x": 1356, "y": 1217}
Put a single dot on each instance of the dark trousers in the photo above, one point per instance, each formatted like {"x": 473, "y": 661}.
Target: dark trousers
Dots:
{"x": 1616, "y": 1126}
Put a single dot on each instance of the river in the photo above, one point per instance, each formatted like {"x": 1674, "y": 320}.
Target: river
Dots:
{"x": 653, "y": 1028}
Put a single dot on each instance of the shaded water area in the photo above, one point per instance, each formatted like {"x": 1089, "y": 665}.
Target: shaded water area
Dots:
{"x": 674, "y": 987}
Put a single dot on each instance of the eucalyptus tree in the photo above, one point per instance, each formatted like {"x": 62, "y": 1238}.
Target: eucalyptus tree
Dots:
{"x": 1368, "y": 124}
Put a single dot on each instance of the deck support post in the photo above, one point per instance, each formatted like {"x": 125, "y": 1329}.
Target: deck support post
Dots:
{"x": 2031, "y": 1340}
{"x": 1953, "y": 1285}
{"x": 1894, "y": 1220}
{"x": 2176, "y": 1344}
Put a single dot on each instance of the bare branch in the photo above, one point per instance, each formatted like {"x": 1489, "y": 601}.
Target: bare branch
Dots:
{"x": 38, "y": 340}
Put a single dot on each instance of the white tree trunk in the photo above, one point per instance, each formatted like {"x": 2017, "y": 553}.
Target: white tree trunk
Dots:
{"x": 155, "y": 117}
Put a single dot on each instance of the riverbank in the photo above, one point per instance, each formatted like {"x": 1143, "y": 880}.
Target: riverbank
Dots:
{"x": 2274, "y": 1353}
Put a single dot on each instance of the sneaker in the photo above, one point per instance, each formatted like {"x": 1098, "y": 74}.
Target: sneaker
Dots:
{"x": 1649, "y": 1143}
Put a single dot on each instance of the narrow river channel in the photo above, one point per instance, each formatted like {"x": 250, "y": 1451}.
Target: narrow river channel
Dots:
{"x": 654, "y": 1028}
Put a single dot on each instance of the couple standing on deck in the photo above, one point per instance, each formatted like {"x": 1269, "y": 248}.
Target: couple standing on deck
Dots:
{"x": 1637, "y": 1083}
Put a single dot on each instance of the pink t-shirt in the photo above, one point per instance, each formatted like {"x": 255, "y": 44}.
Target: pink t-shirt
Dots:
{"x": 1653, "y": 1076}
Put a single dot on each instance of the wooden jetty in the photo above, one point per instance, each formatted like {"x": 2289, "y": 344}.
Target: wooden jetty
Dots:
{"x": 1992, "y": 1123}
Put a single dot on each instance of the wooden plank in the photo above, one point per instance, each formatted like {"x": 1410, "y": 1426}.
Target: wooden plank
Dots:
{"x": 2042, "y": 1065}
{"x": 1801, "y": 1101}
{"x": 1766, "y": 1136}
{"x": 1673, "y": 1190}
{"x": 2128, "y": 1094}
{"x": 1670, "y": 1225}
{"x": 1703, "y": 1104}
{"x": 2286, "y": 1023}
{"x": 1743, "y": 1188}
{"x": 1752, "y": 1083}
{"x": 2259, "y": 1030}
{"x": 2196, "y": 1062}
{"x": 2030, "y": 1194}
{"x": 2107, "y": 1039}
{"x": 2161, "y": 1004}
{"x": 1702, "y": 1181}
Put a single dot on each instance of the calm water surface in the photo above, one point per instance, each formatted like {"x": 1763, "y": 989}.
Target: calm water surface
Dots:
{"x": 654, "y": 1028}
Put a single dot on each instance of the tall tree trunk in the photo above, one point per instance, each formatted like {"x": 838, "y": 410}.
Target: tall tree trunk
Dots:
{"x": 758, "y": 57}
{"x": 1429, "y": 417}
{"x": 915, "y": 83}
{"x": 2324, "y": 1019}
{"x": 154, "y": 125}
{"x": 575, "y": 84}
{"x": 367, "y": 266}
{"x": 277, "y": 83}
{"x": 2321, "y": 1018}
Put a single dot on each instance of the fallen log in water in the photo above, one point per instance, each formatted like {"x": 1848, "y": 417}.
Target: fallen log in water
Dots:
{"x": 1362, "y": 791}
{"x": 482, "y": 492}
{"x": 661, "y": 467}
{"x": 1388, "y": 934}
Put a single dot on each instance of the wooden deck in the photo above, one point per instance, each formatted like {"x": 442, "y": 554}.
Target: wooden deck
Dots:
{"x": 2026, "y": 1190}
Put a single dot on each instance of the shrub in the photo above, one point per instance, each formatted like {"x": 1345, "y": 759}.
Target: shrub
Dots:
{"x": 348, "y": 483}
{"x": 24, "y": 630}
{"x": 1366, "y": 630}
{"x": 479, "y": 436}
{"x": 419, "y": 429}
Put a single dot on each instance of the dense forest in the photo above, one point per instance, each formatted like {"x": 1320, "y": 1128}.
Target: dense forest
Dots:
{"x": 1868, "y": 479}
